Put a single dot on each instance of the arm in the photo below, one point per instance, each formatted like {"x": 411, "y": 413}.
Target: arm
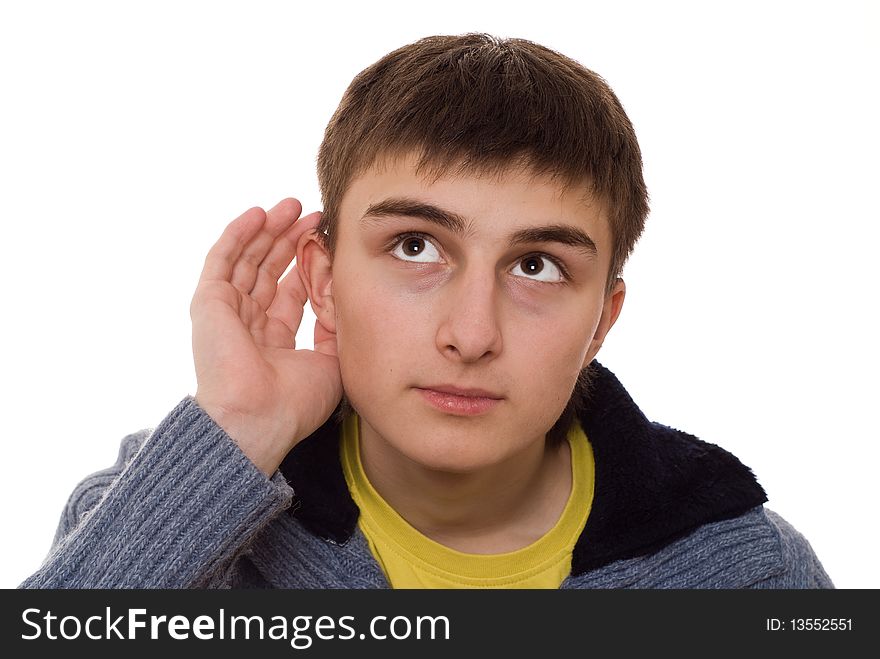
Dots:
{"x": 174, "y": 512}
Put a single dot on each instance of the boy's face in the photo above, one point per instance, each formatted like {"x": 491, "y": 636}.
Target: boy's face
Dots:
{"x": 465, "y": 282}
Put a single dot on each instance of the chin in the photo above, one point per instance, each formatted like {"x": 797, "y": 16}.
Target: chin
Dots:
{"x": 447, "y": 466}
{"x": 458, "y": 454}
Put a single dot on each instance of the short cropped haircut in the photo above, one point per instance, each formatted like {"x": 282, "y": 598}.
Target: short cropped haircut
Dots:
{"x": 475, "y": 103}
{"x": 478, "y": 103}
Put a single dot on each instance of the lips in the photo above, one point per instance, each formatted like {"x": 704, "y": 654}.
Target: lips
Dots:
{"x": 459, "y": 391}
{"x": 458, "y": 401}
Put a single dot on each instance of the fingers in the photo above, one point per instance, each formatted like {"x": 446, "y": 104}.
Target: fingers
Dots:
{"x": 254, "y": 251}
{"x": 289, "y": 301}
{"x": 279, "y": 257}
{"x": 278, "y": 220}
{"x": 226, "y": 251}
{"x": 277, "y": 334}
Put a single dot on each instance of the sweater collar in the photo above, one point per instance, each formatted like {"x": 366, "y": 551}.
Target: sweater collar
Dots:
{"x": 654, "y": 484}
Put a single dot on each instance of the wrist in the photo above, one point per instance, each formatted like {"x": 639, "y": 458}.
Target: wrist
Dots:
{"x": 263, "y": 440}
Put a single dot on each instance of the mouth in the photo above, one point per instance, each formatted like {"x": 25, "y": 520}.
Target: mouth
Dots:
{"x": 459, "y": 402}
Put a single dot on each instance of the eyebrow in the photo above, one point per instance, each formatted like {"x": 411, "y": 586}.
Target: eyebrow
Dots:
{"x": 565, "y": 234}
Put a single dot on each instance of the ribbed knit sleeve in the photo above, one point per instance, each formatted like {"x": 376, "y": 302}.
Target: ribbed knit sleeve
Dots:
{"x": 180, "y": 504}
{"x": 801, "y": 567}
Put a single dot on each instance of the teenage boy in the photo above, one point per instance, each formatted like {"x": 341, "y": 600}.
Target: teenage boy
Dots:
{"x": 451, "y": 427}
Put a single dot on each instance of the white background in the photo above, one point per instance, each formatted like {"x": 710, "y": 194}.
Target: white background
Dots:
{"x": 131, "y": 133}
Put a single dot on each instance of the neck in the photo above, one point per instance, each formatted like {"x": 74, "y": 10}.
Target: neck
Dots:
{"x": 494, "y": 509}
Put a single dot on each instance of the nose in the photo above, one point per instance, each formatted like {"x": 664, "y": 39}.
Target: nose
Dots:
{"x": 470, "y": 328}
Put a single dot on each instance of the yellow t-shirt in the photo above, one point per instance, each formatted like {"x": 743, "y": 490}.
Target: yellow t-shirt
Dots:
{"x": 410, "y": 559}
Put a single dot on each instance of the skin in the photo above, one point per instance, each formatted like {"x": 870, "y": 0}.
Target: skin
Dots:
{"x": 467, "y": 309}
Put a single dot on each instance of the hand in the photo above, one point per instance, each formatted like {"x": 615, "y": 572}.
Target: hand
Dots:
{"x": 252, "y": 381}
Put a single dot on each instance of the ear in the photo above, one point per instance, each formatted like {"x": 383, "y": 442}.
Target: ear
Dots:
{"x": 316, "y": 271}
{"x": 610, "y": 311}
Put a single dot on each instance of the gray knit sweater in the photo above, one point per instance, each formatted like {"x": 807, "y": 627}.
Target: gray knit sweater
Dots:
{"x": 183, "y": 507}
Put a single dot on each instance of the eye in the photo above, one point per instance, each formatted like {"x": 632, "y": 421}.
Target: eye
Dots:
{"x": 539, "y": 268}
{"x": 415, "y": 248}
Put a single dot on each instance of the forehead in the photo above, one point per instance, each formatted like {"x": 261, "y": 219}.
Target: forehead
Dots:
{"x": 491, "y": 202}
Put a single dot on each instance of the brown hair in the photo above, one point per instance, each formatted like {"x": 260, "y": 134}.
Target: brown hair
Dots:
{"x": 477, "y": 103}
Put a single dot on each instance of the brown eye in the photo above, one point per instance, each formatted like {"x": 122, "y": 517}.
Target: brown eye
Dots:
{"x": 539, "y": 268}
{"x": 413, "y": 246}
{"x": 416, "y": 249}
{"x": 532, "y": 265}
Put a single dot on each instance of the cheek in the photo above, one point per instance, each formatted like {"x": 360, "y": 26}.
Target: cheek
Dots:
{"x": 553, "y": 357}
{"x": 378, "y": 329}
{"x": 550, "y": 356}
